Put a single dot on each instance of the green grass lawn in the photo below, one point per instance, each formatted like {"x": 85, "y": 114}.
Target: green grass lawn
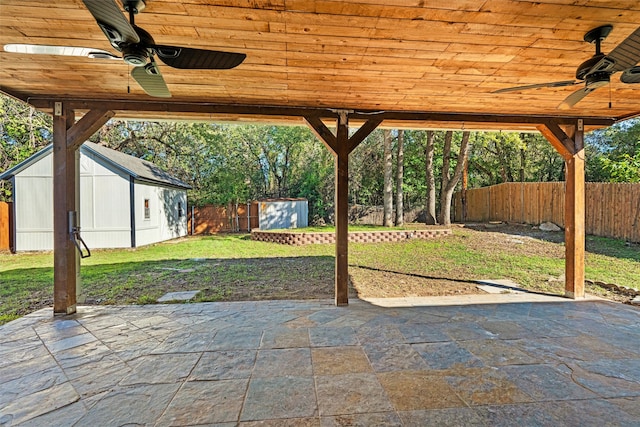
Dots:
{"x": 234, "y": 267}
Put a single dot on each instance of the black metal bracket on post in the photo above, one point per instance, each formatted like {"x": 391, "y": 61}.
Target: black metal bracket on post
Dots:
{"x": 74, "y": 235}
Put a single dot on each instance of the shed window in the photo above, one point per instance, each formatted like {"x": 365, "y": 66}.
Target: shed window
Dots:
{"x": 147, "y": 211}
{"x": 180, "y": 212}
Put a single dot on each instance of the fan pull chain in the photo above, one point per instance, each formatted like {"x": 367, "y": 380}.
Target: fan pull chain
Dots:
{"x": 610, "y": 103}
{"x": 128, "y": 80}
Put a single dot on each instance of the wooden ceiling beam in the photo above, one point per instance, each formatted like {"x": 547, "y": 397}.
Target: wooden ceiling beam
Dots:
{"x": 210, "y": 110}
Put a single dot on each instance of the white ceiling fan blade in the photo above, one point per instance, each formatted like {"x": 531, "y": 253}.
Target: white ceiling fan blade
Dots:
{"x": 36, "y": 49}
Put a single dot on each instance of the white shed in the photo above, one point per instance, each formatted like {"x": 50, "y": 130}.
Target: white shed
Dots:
{"x": 125, "y": 202}
{"x": 283, "y": 213}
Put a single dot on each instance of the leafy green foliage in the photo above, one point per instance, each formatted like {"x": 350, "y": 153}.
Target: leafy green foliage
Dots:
{"x": 23, "y": 131}
{"x": 498, "y": 157}
{"x": 613, "y": 154}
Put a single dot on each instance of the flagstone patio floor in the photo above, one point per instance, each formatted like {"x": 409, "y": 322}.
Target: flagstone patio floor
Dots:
{"x": 309, "y": 363}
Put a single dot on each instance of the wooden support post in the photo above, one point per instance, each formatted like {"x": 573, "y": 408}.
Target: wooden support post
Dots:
{"x": 67, "y": 138}
{"x": 570, "y": 145}
{"x": 341, "y": 145}
{"x": 342, "y": 210}
{"x": 66, "y": 260}
{"x": 574, "y": 218}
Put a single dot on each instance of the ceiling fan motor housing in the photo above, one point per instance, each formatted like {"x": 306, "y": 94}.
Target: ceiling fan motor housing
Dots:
{"x": 597, "y": 79}
{"x": 135, "y": 55}
{"x": 138, "y": 54}
{"x": 599, "y": 63}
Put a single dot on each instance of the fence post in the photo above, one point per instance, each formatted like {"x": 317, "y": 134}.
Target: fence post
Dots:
{"x": 523, "y": 215}
{"x": 249, "y": 217}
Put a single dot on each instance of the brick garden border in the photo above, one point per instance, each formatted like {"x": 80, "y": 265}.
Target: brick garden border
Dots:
{"x": 297, "y": 239}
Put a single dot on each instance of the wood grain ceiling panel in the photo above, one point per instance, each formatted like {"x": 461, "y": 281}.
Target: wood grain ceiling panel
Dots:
{"x": 395, "y": 55}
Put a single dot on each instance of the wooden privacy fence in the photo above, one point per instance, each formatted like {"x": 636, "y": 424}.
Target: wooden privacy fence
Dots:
{"x": 612, "y": 210}
{"x": 6, "y": 234}
{"x": 211, "y": 219}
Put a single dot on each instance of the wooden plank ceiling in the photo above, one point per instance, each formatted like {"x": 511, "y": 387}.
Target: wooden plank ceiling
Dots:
{"x": 375, "y": 55}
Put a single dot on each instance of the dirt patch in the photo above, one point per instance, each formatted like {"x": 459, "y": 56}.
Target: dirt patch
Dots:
{"x": 369, "y": 283}
{"x": 526, "y": 239}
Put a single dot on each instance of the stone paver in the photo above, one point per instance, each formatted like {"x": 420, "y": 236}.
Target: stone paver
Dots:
{"x": 178, "y": 296}
{"x": 507, "y": 359}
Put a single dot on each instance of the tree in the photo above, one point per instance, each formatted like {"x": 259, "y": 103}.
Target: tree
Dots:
{"x": 452, "y": 181}
{"x": 366, "y": 183}
{"x": 445, "y": 175}
{"x": 413, "y": 171}
{"x": 613, "y": 153}
{"x": 315, "y": 182}
{"x": 23, "y": 132}
{"x": 494, "y": 156}
{"x": 431, "y": 179}
{"x": 388, "y": 180}
{"x": 542, "y": 162}
{"x": 399, "y": 180}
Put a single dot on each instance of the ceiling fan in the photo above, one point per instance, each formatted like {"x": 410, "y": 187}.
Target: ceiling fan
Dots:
{"x": 137, "y": 47}
{"x": 597, "y": 70}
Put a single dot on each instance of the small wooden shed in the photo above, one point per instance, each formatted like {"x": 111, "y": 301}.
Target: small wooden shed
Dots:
{"x": 124, "y": 201}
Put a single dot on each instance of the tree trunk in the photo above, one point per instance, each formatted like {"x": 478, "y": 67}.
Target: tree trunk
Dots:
{"x": 399, "y": 179}
{"x": 465, "y": 185}
{"x": 445, "y": 203}
{"x": 388, "y": 181}
{"x": 430, "y": 207}
{"x": 502, "y": 161}
{"x": 523, "y": 164}
{"x": 443, "y": 218}
{"x": 32, "y": 136}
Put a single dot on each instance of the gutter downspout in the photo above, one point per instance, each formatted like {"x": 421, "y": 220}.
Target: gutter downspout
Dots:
{"x": 132, "y": 210}
{"x": 13, "y": 239}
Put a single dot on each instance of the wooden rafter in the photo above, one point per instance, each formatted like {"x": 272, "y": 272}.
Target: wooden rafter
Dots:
{"x": 558, "y": 138}
{"x": 87, "y": 126}
{"x": 323, "y": 133}
{"x": 364, "y": 131}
